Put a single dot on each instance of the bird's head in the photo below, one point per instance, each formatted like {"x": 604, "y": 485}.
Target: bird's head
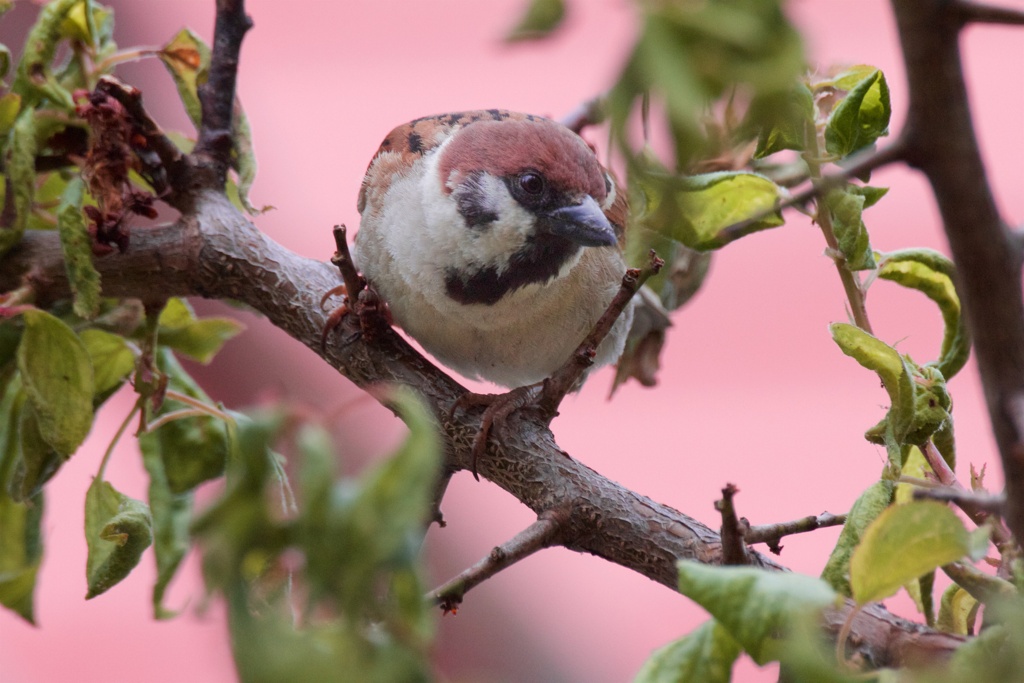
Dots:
{"x": 531, "y": 196}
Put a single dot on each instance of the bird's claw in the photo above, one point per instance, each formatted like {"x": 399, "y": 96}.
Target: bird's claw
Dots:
{"x": 373, "y": 312}
{"x": 497, "y": 409}
{"x": 336, "y": 316}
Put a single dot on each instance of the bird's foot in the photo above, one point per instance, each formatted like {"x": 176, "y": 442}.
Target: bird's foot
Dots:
{"x": 371, "y": 310}
{"x": 497, "y": 409}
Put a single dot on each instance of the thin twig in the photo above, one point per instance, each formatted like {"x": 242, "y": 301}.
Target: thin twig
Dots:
{"x": 539, "y": 535}
{"x": 771, "y": 534}
{"x": 982, "y": 13}
{"x": 974, "y": 499}
{"x": 566, "y": 377}
{"x": 588, "y": 113}
{"x": 1000, "y": 536}
{"x": 734, "y": 550}
{"x": 823, "y": 217}
{"x": 217, "y": 95}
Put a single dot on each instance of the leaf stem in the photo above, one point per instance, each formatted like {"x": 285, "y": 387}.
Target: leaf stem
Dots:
{"x": 117, "y": 437}
{"x": 851, "y": 283}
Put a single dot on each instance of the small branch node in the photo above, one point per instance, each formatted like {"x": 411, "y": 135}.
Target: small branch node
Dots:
{"x": 734, "y": 549}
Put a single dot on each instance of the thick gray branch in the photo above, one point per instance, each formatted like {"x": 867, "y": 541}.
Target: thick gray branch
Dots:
{"x": 217, "y": 253}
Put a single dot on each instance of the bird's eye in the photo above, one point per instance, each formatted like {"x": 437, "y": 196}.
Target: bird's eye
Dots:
{"x": 531, "y": 183}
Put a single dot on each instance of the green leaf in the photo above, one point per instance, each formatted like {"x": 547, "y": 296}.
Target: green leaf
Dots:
{"x": 903, "y": 543}
{"x": 269, "y": 648}
{"x": 957, "y": 611}
{"x": 382, "y": 528}
{"x": 193, "y": 449}
{"x": 541, "y": 19}
{"x": 21, "y": 549}
{"x": 35, "y": 80}
{"x": 38, "y": 462}
{"x": 995, "y": 654}
{"x": 892, "y": 368}
{"x": 845, "y": 209}
{"x": 20, "y": 538}
{"x": 77, "y": 248}
{"x": 865, "y": 509}
{"x": 860, "y": 118}
{"x": 58, "y": 378}
{"x": 171, "y": 515}
{"x": 933, "y": 275}
{"x": 237, "y": 532}
{"x": 198, "y": 339}
{"x": 781, "y": 120}
{"x": 111, "y": 357}
{"x": 706, "y": 654}
{"x": 21, "y": 177}
{"x": 117, "y": 530}
{"x": 244, "y": 159}
{"x": 690, "y": 53}
{"x": 756, "y": 607}
{"x": 187, "y": 58}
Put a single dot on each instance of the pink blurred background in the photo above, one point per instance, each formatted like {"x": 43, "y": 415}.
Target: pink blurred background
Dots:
{"x": 753, "y": 391}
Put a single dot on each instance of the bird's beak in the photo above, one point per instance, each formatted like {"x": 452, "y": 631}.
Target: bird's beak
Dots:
{"x": 583, "y": 223}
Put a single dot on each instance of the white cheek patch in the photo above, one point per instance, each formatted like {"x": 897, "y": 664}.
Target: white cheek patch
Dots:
{"x": 468, "y": 248}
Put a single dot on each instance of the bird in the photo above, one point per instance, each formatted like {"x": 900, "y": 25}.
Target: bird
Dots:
{"x": 495, "y": 238}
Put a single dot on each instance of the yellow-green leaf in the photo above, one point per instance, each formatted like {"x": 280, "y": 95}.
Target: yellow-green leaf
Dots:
{"x": 903, "y": 543}
{"x": 933, "y": 275}
{"x": 892, "y": 369}
{"x": 957, "y": 611}
{"x": 58, "y": 379}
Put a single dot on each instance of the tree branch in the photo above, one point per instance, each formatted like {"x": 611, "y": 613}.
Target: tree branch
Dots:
{"x": 216, "y": 253}
{"x": 941, "y": 142}
{"x": 771, "y": 534}
{"x": 539, "y": 535}
{"x": 981, "y": 13}
{"x": 217, "y": 95}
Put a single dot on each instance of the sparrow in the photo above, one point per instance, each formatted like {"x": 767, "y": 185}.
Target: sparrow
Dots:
{"x": 495, "y": 238}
